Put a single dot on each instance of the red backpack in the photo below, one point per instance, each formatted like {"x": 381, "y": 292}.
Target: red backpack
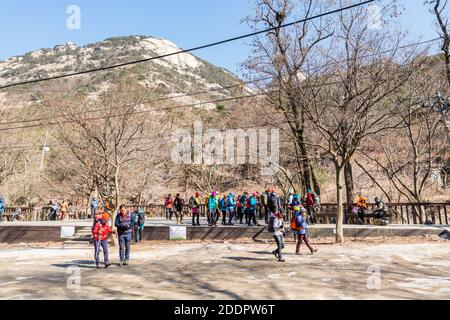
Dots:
{"x": 309, "y": 199}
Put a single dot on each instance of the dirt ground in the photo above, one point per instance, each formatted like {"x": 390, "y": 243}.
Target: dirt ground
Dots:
{"x": 370, "y": 269}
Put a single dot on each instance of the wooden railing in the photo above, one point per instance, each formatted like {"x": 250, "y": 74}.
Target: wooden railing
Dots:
{"x": 398, "y": 213}
{"x": 41, "y": 214}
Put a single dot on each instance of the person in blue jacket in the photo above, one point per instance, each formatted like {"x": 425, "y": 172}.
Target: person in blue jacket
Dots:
{"x": 2, "y": 208}
{"x": 252, "y": 204}
{"x": 125, "y": 222}
{"x": 223, "y": 209}
{"x": 302, "y": 233}
{"x": 297, "y": 208}
{"x": 231, "y": 208}
{"x": 213, "y": 207}
{"x": 94, "y": 207}
{"x": 243, "y": 206}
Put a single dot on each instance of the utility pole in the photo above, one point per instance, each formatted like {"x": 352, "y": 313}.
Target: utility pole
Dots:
{"x": 44, "y": 150}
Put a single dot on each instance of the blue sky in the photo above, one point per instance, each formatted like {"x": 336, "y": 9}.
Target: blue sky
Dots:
{"x": 31, "y": 24}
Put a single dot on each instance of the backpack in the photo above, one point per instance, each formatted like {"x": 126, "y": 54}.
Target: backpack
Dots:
{"x": 191, "y": 202}
{"x": 270, "y": 227}
{"x": 222, "y": 204}
{"x": 264, "y": 199}
{"x": 253, "y": 202}
{"x": 294, "y": 224}
{"x": 309, "y": 199}
{"x": 212, "y": 202}
{"x": 273, "y": 203}
{"x": 140, "y": 217}
{"x": 179, "y": 204}
{"x": 230, "y": 201}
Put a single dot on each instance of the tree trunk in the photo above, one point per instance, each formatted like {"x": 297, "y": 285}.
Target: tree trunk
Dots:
{"x": 340, "y": 209}
{"x": 315, "y": 181}
{"x": 349, "y": 186}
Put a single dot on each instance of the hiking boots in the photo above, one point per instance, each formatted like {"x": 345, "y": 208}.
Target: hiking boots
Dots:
{"x": 275, "y": 253}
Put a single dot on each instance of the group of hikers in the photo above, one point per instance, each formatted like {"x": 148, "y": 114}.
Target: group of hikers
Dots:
{"x": 129, "y": 225}
{"x": 230, "y": 208}
{"x": 268, "y": 205}
{"x": 233, "y": 209}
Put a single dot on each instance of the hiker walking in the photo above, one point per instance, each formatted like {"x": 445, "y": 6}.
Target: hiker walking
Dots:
{"x": 100, "y": 234}
{"x": 302, "y": 231}
{"x": 140, "y": 224}
{"x": 179, "y": 206}
{"x": 124, "y": 223}
{"x": 297, "y": 209}
{"x": 194, "y": 205}
{"x": 276, "y": 227}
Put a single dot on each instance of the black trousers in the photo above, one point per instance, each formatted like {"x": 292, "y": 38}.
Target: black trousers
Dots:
{"x": 379, "y": 214}
{"x": 251, "y": 216}
{"x": 311, "y": 214}
{"x": 194, "y": 217}
{"x": 241, "y": 213}
{"x": 224, "y": 216}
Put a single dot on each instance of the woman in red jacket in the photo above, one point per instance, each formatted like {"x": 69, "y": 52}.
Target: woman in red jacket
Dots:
{"x": 100, "y": 233}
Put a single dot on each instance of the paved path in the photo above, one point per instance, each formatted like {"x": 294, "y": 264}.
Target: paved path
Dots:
{"x": 231, "y": 271}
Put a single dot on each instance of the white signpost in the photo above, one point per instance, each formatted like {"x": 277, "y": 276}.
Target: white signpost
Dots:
{"x": 67, "y": 232}
{"x": 177, "y": 233}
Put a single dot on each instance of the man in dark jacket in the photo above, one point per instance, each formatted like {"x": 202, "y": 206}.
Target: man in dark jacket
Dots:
{"x": 275, "y": 203}
{"x": 179, "y": 207}
{"x": 124, "y": 223}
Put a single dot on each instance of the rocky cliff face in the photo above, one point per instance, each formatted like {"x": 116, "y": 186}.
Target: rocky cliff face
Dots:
{"x": 169, "y": 76}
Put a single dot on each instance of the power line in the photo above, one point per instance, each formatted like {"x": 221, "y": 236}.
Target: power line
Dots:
{"x": 313, "y": 70}
{"x": 187, "y": 50}
{"x": 156, "y": 109}
{"x": 134, "y": 113}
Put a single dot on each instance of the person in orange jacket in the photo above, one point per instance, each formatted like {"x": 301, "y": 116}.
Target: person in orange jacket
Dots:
{"x": 100, "y": 234}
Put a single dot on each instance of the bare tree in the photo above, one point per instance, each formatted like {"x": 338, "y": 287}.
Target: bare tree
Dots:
{"x": 105, "y": 142}
{"x": 412, "y": 156}
{"x": 352, "y": 104}
{"x": 283, "y": 56}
